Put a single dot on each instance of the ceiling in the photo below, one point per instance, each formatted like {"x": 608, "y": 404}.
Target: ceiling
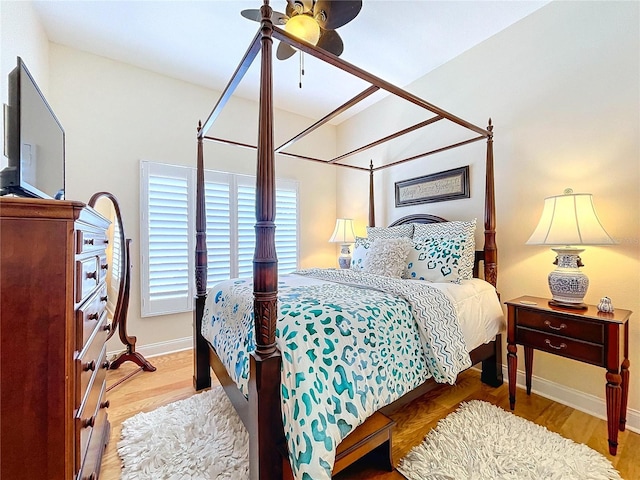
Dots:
{"x": 202, "y": 42}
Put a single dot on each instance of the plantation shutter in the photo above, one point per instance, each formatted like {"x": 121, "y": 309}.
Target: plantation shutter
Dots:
{"x": 218, "y": 206}
{"x": 287, "y": 226}
{"x": 169, "y": 264}
{"x": 167, "y": 244}
{"x": 246, "y": 195}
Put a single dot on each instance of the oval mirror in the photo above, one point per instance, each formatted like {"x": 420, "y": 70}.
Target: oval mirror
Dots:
{"x": 118, "y": 279}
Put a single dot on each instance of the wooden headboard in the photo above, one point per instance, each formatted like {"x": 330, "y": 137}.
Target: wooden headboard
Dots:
{"x": 426, "y": 218}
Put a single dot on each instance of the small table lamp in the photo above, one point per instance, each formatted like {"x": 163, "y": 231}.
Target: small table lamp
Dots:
{"x": 343, "y": 234}
{"x": 569, "y": 220}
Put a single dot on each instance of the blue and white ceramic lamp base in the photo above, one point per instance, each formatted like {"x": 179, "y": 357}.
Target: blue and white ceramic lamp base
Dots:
{"x": 567, "y": 283}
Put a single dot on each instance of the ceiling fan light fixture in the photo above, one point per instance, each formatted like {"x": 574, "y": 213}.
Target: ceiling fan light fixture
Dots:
{"x": 305, "y": 27}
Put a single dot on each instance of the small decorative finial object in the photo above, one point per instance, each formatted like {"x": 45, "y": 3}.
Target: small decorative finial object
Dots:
{"x": 605, "y": 305}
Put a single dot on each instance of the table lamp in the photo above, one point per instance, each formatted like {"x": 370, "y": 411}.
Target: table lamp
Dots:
{"x": 569, "y": 221}
{"x": 343, "y": 234}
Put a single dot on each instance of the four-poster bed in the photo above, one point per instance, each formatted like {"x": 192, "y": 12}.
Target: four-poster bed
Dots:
{"x": 261, "y": 411}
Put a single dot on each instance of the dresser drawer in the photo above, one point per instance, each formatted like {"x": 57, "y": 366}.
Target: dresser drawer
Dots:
{"x": 93, "y": 454}
{"x": 87, "y": 277}
{"x": 88, "y": 240}
{"x": 563, "y": 346}
{"x": 561, "y": 325}
{"x": 92, "y": 358}
{"x": 89, "y": 315}
{"x": 87, "y": 414}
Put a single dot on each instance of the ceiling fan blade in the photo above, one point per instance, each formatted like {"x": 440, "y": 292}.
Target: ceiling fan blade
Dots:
{"x": 284, "y": 51}
{"x": 331, "y": 42}
{"x": 277, "y": 18}
{"x": 334, "y": 14}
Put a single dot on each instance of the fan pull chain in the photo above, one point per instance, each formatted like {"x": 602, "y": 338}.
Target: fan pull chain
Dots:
{"x": 301, "y": 69}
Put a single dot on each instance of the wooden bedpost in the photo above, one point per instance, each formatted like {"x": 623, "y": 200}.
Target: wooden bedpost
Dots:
{"x": 372, "y": 207}
{"x": 265, "y": 461}
{"x": 490, "y": 249}
{"x": 492, "y": 366}
{"x": 201, "y": 369}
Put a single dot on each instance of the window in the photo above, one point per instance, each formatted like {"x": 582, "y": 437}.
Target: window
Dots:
{"x": 168, "y": 232}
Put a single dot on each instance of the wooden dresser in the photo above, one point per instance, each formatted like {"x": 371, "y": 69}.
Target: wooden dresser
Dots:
{"x": 53, "y": 329}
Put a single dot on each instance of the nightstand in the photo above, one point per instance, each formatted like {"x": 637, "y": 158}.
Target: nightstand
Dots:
{"x": 588, "y": 336}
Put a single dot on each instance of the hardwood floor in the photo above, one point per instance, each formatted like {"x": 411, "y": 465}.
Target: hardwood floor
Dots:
{"x": 172, "y": 381}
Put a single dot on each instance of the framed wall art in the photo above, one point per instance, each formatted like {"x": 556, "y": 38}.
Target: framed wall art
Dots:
{"x": 436, "y": 187}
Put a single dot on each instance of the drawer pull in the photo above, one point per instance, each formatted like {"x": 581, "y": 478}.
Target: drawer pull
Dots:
{"x": 89, "y": 366}
{"x": 89, "y": 422}
{"x": 104, "y": 299}
{"x": 105, "y": 404}
{"x": 548, "y": 324}
{"x": 104, "y": 266}
{"x": 562, "y": 345}
{"x": 107, "y": 327}
{"x": 88, "y": 241}
{"x": 93, "y": 316}
{"x": 106, "y": 364}
{"x": 93, "y": 275}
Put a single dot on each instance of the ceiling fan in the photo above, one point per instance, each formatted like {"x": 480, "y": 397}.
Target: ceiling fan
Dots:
{"x": 314, "y": 21}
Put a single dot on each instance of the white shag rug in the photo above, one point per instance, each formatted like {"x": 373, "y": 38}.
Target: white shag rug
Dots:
{"x": 202, "y": 437}
{"x": 198, "y": 438}
{"x": 482, "y": 441}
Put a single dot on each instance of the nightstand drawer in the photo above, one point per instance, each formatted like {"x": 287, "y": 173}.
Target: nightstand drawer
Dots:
{"x": 561, "y": 325}
{"x": 563, "y": 346}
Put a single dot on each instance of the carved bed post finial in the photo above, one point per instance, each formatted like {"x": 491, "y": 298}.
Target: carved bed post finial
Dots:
{"x": 490, "y": 249}
{"x": 372, "y": 208}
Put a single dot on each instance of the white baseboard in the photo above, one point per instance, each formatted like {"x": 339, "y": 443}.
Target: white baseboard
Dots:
{"x": 554, "y": 391}
{"x": 573, "y": 398}
{"x": 160, "y": 348}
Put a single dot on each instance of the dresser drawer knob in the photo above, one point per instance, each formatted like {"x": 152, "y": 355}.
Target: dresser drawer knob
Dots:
{"x": 562, "y": 345}
{"x": 104, "y": 266}
{"x": 107, "y": 327}
{"x": 93, "y": 316}
{"x": 105, "y": 404}
{"x": 89, "y": 422}
{"x": 552, "y": 327}
{"x": 106, "y": 364}
{"x": 88, "y": 367}
{"x": 93, "y": 275}
{"x": 88, "y": 241}
{"x": 103, "y": 298}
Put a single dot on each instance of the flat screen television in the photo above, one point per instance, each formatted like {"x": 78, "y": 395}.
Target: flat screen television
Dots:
{"x": 34, "y": 141}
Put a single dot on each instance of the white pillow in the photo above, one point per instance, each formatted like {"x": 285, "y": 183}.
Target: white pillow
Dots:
{"x": 390, "y": 232}
{"x": 452, "y": 231}
{"x": 388, "y": 256}
{"x": 436, "y": 259}
{"x": 360, "y": 252}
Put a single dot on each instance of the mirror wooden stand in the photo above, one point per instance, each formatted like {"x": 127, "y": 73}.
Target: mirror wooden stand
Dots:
{"x": 119, "y": 283}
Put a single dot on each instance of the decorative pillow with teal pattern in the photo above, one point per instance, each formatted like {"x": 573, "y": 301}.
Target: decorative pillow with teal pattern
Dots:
{"x": 388, "y": 256}
{"x": 360, "y": 252}
{"x": 452, "y": 231}
{"x": 437, "y": 259}
{"x": 390, "y": 232}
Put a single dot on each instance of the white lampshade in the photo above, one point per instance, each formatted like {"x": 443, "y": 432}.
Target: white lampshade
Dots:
{"x": 343, "y": 232}
{"x": 305, "y": 27}
{"x": 569, "y": 219}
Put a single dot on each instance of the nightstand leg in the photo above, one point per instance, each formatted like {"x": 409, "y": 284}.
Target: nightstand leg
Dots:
{"x": 624, "y": 373}
{"x": 512, "y": 367}
{"x": 614, "y": 397}
{"x": 528, "y": 366}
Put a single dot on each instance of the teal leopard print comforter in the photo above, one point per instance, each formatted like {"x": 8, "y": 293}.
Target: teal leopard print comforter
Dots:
{"x": 351, "y": 343}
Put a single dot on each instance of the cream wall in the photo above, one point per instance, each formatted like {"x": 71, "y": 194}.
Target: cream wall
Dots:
{"x": 562, "y": 86}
